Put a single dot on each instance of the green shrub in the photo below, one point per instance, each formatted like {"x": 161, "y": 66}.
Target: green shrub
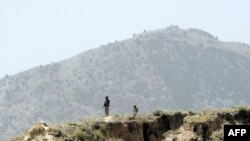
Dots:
{"x": 158, "y": 113}
{"x": 71, "y": 124}
{"x": 241, "y": 108}
{"x": 89, "y": 133}
{"x": 191, "y": 113}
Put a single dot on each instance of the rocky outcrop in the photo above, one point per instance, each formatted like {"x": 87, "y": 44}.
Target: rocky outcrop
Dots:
{"x": 203, "y": 126}
{"x": 206, "y": 126}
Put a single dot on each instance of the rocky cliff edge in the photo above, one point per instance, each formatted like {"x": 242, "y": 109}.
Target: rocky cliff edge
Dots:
{"x": 159, "y": 126}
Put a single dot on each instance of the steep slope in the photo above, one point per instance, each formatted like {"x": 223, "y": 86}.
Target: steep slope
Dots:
{"x": 169, "y": 68}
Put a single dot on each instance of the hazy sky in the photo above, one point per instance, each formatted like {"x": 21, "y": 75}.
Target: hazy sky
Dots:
{"x": 34, "y": 32}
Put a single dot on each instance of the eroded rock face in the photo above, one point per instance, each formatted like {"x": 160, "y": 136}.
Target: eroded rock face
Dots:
{"x": 204, "y": 126}
{"x": 208, "y": 126}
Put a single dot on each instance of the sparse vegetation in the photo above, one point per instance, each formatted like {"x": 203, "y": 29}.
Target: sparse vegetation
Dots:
{"x": 88, "y": 135}
{"x": 71, "y": 124}
{"x": 117, "y": 116}
{"x": 241, "y": 108}
{"x": 164, "y": 70}
{"x": 89, "y": 132}
{"x": 174, "y": 125}
{"x": 217, "y": 135}
{"x": 201, "y": 117}
{"x": 158, "y": 113}
{"x": 191, "y": 113}
{"x": 37, "y": 131}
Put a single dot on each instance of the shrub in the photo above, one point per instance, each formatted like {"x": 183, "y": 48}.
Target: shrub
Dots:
{"x": 36, "y": 131}
{"x": 71, "y": 124}
{"x": 192, "y": 113}
{"x": 89, "y": 133}
{"x": 158, "y": 113}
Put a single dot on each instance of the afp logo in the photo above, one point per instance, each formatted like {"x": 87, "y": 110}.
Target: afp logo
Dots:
{"x": 236, "y": 132}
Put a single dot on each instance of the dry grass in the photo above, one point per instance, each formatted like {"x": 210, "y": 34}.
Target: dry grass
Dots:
{"x": 200, "y": 118}
{"x": 36, "y": 131}
{"x": 95, "y": 129}
{"x": 217, "y": 135}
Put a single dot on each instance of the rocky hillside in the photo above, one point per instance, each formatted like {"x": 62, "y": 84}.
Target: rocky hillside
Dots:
{"x": 160, "y": 126}
{"x": 170, "y": 68}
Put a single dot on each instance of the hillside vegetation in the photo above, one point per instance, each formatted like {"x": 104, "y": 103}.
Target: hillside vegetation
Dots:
{"x": 170, "y": 68}
{"x": 160, "y": 126}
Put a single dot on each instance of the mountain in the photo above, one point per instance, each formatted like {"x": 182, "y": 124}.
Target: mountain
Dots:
{"x": 159, "y": 126}
{"x": 171, "y": 68}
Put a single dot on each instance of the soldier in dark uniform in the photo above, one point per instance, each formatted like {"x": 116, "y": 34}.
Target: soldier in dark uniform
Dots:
{"x": 135, "y": 111}
{"x": 106, "y": 105}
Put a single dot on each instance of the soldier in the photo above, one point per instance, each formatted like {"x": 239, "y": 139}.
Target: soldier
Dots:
{"x": 106, "y": 105}
{"x": 135, "y": 111}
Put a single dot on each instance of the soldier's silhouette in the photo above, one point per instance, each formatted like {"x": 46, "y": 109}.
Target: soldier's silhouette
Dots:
{"x": 135, "y": 111}
{"x": 106, "y": 105}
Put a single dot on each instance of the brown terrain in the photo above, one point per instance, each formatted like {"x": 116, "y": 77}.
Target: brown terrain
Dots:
{"x": 159, "y": 126}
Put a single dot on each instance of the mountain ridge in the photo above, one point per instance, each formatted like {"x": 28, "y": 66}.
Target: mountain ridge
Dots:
{"x": 140, "y": 34}
{"x": 169, "y": 68}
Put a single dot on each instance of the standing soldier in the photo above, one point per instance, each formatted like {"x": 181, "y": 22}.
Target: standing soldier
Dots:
{"x": 106, "y": 105}
{"x": 135, "y": 111}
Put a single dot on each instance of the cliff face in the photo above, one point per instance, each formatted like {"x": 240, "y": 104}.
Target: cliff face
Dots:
{"x": 160, "y": 126}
